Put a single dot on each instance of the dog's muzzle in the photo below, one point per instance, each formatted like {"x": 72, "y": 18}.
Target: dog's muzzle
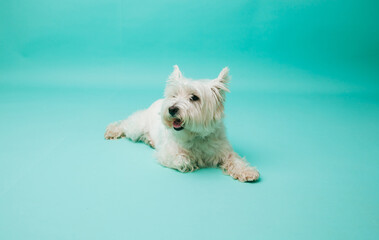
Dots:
{"x": 177, "y": 124}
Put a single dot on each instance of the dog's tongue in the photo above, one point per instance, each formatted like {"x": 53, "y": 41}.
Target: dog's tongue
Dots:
{"x": 177, "y": 123}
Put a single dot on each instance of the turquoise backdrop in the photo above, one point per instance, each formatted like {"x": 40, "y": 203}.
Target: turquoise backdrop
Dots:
{"x": 303, "y": 108}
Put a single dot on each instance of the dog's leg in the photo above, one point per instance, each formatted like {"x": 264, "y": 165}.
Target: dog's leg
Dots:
{"x": 134, "y": 127}
{"x": 147, "y": 139}
{"x": 181, "y": 163}
{"x": 176, "y": 159}
{"x": 239, "y": 169}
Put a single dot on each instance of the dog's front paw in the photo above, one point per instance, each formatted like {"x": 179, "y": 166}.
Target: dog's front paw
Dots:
{"x": 183, "y": 164}
{"x": 187, "y": 168}
{"x": 114, "y": 131}
{"x": 247, "y": 174}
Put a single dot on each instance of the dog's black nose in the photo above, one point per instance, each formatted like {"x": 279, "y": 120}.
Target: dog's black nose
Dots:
{"x": 173, "y": 110}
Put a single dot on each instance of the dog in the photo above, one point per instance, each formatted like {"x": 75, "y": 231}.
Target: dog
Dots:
{"x": 186, "y": 127}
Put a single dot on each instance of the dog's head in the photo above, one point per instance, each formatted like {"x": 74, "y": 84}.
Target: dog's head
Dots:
{"x": 194, "y": 105}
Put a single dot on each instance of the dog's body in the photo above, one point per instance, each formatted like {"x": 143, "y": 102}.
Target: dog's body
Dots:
{"x": 186, "y": 128}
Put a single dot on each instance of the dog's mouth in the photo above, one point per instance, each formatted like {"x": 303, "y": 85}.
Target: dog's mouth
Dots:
{"x": 177, "y": 124}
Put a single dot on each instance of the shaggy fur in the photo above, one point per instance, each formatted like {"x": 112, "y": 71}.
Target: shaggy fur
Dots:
{"x": 186, "y": 127}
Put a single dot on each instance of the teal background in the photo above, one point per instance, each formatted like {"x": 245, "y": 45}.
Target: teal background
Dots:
{"x": 303, "y": 108}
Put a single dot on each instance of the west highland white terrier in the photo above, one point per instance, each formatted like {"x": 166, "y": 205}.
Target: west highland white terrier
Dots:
{"x": 186, "y": 127}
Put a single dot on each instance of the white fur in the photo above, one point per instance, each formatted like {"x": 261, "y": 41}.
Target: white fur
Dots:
{"x": 202, "y": 141}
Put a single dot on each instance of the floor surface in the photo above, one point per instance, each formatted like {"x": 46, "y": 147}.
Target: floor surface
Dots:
{"x": 315, "y": 144}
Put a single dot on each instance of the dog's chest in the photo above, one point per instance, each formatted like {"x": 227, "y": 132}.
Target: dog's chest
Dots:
{"x": 205, "y": 151}
{"x": 203, "y": 148}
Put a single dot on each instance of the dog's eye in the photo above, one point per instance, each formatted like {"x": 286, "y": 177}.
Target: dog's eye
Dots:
{"x": 194, "y": 98}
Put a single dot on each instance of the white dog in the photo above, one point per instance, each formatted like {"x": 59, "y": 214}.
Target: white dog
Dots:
{"x": 186, "y": 127}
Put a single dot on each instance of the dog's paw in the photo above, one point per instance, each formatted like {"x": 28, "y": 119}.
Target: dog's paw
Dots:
{"x": 183, "y": 164}
{"x": 187, "y": 168}
{"x": 248, "y": 174}
{"x": 114, "y": 131}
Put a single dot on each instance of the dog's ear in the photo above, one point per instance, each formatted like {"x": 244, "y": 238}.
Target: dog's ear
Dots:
{"x": 221, "y": 82}
{"x": 176, "y": 75}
